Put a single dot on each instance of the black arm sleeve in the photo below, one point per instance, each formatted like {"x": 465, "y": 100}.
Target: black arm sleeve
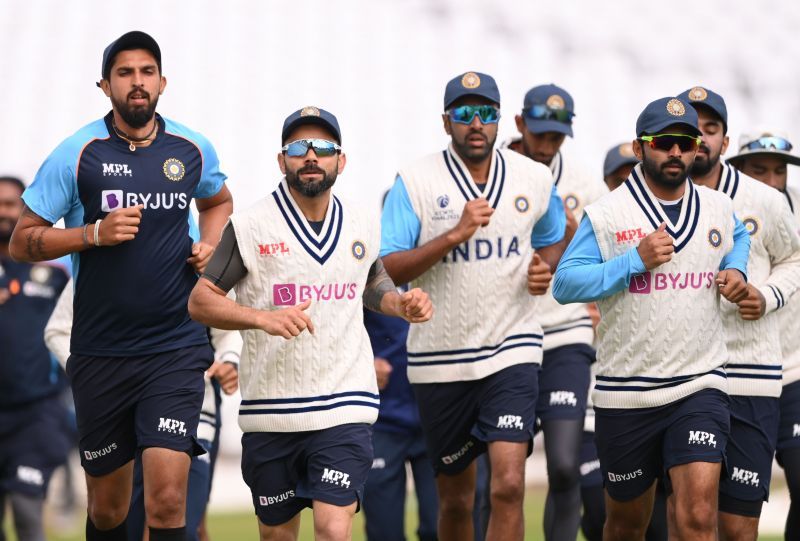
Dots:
{"x": 226, "y": 266}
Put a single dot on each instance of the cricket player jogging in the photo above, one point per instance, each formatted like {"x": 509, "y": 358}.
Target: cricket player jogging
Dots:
{"x": 752, "y": 328}
{"x": 655, "y": 254}
{"x": 123, "y": 185}
{"x": 302, "y": 260}
{"x": 765, "y": 155}
{"x": 463, "y": 223}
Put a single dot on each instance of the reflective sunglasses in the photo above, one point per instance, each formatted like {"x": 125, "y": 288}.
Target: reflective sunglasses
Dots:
{"x": 463, "y": 114}
{"x": 543, "y": 112}
{"x": 665, "y": 141}
{"x": 768, "y": 143}
{"x": 322, "y": 148}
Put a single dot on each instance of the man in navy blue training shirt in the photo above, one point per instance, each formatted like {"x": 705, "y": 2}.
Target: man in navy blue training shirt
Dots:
{"x": 123, "y": 185}
{"x": 34, "y": 437}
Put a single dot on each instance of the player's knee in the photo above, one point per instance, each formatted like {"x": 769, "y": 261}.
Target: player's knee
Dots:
{"x": 166, "y": 508}
{"x": 564, "y": 474}
{"x": 507, "y": 488}
{"x": 615, "y": 530}
{"x": 699, "y": 516}
{"x": 456, "y": 506}
{"x": 106, "y": 517}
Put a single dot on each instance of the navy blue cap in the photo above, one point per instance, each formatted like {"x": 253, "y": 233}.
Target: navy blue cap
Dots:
{"x": 127, "y": 42}
{"x": 543, "y": 104}
{"x": 618, "y": 156}
{"x": 699, "y": 95}
{"x": 311, "y": 115}
{"x": 666, "y": 112}
{"x": 471, "y": 83}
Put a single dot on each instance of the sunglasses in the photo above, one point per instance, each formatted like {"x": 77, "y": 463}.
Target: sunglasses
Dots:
{"x": 463, "y": 114}
{"x": 322, "y": 148}
{"x": 543, "y": 112}
{"x": 665, "y": 141}
{"x": 768, "y": 143}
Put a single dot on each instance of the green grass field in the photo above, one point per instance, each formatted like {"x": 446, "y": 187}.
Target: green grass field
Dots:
{"x": 242, "y": 526}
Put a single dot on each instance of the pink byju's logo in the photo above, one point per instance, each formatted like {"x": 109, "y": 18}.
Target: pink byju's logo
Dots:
{"x": 110, "y": 200}
{"x": 646, "y": 282}
{"x": 291, "y": 294}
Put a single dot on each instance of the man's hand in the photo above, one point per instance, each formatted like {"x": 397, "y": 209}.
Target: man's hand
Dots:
{"x": 539, "y": 276}
{"x": 120, "y": 226}
{"x": 656, "y": 248}
{"x": 287, "y": 322}
{"x": 753, "y": 306}
{"x": 476, "y": 214}
{"x": 226, "y": 374}
{"x": 201, "y": 255}
{"x": 382, "y": 372}
{"x": 415, "y": 306}
{"x": 732, "y": 285}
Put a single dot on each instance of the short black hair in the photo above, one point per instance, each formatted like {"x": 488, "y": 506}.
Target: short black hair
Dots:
{"x": 13, "y": 180}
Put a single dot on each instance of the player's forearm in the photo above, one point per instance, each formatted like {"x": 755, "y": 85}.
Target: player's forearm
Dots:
{"x": 213, "y": 218}
{"x": 213, "y": 309}
{"x": 584, "y": 281}
{"x": 379, "y": 287}
{"x": 45, "y": 242}
{"x": 783, "y": 282}
{"x": 408, "y": 265}
{"x": 552, "y": 254}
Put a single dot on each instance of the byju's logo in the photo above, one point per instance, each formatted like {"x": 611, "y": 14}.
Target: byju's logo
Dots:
{"x": 117, "y": 170}
{"x": 336, "y": 477}
{"x": 699, "y": 437}
{"x": 111, "y": 200}
{"x": 510, "y": 421}
{"x": 640, "y": 283}
{"x": 745, "y": 477}
{"x": 172, "y": 426}
{"x": 91, "y": 455}
{"x": 617, "y": 477}
{"x": 449, "y": 459}
{"x": 284, "y": 294}
{"x": 291, "y": 294}
{"x": 272, "y": 500}
{"x": 646, "y": 282}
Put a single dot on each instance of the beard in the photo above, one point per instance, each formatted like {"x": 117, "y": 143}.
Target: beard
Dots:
{"x": 136, "y": 116}
{"x": 656, "y": 172}
{"x": 468, "y": 153}
{"x": 703, "y": 165}
{"x": 6, "y": 228}
{"x": 310, "y": 188}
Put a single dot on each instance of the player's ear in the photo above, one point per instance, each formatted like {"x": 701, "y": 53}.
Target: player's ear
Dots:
{"x": 446, "y": 123}
{"x": 342, "y": 160}
{"x": 162, "y": 86}
{"x": 105, "y": 87}
{"x": 282, "y": 162}
{"x": 637, "y": 149}
{"x": 725, "y": 141}
{"x": 520, "y": 124}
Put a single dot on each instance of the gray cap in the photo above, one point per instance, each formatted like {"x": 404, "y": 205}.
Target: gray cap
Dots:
{"x": 765, "y": 143}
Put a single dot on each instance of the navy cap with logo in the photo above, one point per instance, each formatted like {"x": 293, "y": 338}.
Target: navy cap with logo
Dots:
{"x": 666, "y": 112}
{"x": 311, "y": 115}
{"x": 471, "y": 83}
{"x": 618, "y": 156}
{"x": 128, "y": 42}
{"x": 548, "y": 108}
{"x": 702, "y": 96}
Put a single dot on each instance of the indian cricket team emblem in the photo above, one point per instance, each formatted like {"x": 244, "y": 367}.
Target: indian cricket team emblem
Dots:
{"x": 675, "y": 107}
{"x": 174, "y": 169}
{"x": 571, "y": 202}
{"x": 442, "y": 201}
{"x": 626, "y": 150}
{"x": 470, "y": 80}
{"x": 358, "y": 250}
{"x": 714, "y": 237}
{"x": 40, "y": 274}
{"x": 521, "y": 203}
{"x": 309, "y": 110}
{"x": 555, "y": 102}
{"x": 751, "y": 224}
{"x": 698, "y": 93}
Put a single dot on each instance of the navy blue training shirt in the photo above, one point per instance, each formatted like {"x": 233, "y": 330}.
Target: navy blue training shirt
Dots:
{"x": 130, "y": 299}
{"x": 28, "y": 294}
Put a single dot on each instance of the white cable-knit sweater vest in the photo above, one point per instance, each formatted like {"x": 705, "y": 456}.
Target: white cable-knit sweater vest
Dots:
{"x": 310, "y": 382}
{"x": 662, "y": 338}
{"x": 789, "y": 317}
{"x": 485, "y": 320}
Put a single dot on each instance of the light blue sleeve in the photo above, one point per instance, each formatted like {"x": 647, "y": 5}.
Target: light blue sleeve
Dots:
{"x": 550, "y": 227}
{"x": 400, "y": 225}
{"x": 54, "y": 191}
{"x": 211, "y": 177}
{"x": 740, "y": 253}
{"x": 194, "y": 230}
{"x": 583, "y": 276}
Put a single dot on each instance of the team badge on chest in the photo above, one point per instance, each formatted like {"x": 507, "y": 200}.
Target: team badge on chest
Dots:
{"x": 521, "y": 204}
{"x": 359, "y": 250}
{"x": 714, "y": 237}
{"x": 752, "y": 225}
{"x": 174, "y": 169}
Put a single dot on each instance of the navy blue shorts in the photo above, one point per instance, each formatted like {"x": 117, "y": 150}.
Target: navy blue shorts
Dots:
{"x": 287, "y": 471}
{"x": 34, "y": 441}
{"x": 125, "y": 404}
{"x": 564, "y": 382}
{"x": 459, "y": 418}
{"x": 789, "y": 428}
{"x": 638, "y": 446}
{"x": 589, "y": 463}
{"x": 751, "y": 447}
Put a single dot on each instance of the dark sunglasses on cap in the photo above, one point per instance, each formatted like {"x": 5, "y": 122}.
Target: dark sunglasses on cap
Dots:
{"x": 665, "y": 141}
{"x": 768, "y": 143}
{"x": 322, "y": 148}
{"x": 463, "y": 114}
{"x": 543, "y": 112}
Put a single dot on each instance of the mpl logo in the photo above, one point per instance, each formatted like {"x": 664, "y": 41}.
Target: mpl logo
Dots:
{"x": 336, "y": 477}
{"x": 111, "y": 200}
{"x": 30, "y": 475}
{"x": 273, "y": 248}
{"x": 117, "y": 170}
{"x": 563, "y": 398}
{"x": 510, "y": 421}
{"x": 91, "y": 455}
{"x": 627, "y": 236}
{"x": 172, "y": 426}
{"x": 795, "y": 430}
{"x": 699, "y": 437}
{"x": 745, "y": 477}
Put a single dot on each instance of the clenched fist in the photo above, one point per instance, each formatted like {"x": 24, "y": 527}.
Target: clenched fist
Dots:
{"x": 539, "y": 276}
{"x": 732, "y": 285}
{"x": 656, "y": 248}
{"x": 476, "y": 214}
{"x": 415, "y": 306}
{"x": 754, "y": 305}
{"x": 287, "y": 322}
{"x": 120, "y": 225}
